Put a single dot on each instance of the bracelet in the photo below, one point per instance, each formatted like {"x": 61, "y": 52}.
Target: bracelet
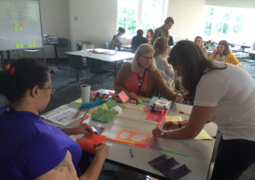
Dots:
{"x": 180, "y": 125}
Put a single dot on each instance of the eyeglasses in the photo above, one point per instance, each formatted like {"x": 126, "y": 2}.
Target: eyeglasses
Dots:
{"x": 147, "y": 58}
{"x": 50, "y": 90}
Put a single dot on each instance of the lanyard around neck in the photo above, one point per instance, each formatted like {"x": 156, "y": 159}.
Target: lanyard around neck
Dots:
{"x": 140, "y": 80}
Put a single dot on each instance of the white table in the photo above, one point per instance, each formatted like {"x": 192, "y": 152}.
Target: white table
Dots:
{"x": 119, "y": 56}
{"x": 200, "y": 151}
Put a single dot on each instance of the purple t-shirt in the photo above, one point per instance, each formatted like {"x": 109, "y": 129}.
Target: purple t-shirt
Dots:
{"x": 30, "y": 147}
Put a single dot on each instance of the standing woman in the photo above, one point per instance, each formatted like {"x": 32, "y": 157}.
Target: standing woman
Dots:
{"x": 223, "y": 54}
{"x": 198, "y": 41}
{"x": 149, "y": 35}
{"x": 161, "y": 54}
{"x": 116, "y": 40}
{"x": 224, "y": 94}
{"x": 30, "y": 148}
{"x": 163, "y": 30}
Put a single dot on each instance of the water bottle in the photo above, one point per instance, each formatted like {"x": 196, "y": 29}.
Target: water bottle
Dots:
{"x": 116, "y": 49}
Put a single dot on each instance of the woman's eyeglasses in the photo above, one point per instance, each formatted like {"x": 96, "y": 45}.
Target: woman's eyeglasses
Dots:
{"x": 147, "y": 58}
{"x": 50, "y": 90}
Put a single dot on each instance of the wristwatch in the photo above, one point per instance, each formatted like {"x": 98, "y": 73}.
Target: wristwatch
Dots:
{"x": 162, "y": 134}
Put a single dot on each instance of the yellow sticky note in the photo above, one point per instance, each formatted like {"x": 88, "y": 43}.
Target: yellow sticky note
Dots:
{"x": 20, "y": 28}
{"x": 21, "y": 45}
{"x": 17, "y": 45}
{"x": 22, "y": 23}
{"x": 33, "y": 43}
{"x": 16, "y": 29}
{"x": 16, "y": 24}
{"x": 173, "y": 118}
{"x": 29, "y": 45}
{"x": 79, "y": 101}
{"x": 203, "y": 135}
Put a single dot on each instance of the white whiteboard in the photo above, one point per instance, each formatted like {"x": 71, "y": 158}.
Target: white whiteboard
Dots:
{"x": 20, "y": 24}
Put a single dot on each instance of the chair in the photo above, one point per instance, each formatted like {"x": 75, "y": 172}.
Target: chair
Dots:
{"x": 108, "y": 45}
{"x": 79, "y": 44}
{"x": 75, "y": 63}
{"x": 95, "y": 66}
{"x": 86, "y": 46}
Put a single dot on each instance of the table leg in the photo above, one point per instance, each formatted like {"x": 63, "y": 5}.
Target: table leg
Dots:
{"x": 77, "y": 76}
{"x": 8, "y": 55}
{"x": 2, "y": 59}
{"x": 56, "y": 54}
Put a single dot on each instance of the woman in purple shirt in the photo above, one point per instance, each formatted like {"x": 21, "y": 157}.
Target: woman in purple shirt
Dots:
{"x": 31, "y": 148}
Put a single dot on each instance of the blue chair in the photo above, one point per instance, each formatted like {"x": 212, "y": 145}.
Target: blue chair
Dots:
{"x": 76, "y": 64}
{"x": 108, "y": 45}
{"x": 79, "y": 44}
{"x": 95, "y": 66}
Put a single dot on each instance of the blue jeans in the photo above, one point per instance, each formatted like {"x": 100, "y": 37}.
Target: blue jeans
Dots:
{"x": 233, "y": 158}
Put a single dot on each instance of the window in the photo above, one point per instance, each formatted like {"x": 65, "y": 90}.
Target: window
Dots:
{"x": 140, "y": 14}
{"x": 232, "y": 24}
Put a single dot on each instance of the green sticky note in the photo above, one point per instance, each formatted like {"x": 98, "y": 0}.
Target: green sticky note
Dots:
{"x": 20, "y": 28}
{"x": 33, "y": 42}
{"x": 16, "y": 24}
{"x": 17, "y": 45}
{"x": 21, "y": 45}
{"x": 34, "y": 46}
{"x": 78, "y": 101}
{"x": 16, "y": 29}
{"x": 29, "y": 45}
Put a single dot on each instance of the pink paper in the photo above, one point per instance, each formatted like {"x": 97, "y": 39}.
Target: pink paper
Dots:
{"x": 154, "y": 117}
{"x": 123, "y": 96}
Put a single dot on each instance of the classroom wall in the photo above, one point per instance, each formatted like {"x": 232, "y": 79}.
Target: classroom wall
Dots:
{"x": 96, "y": 21}
{"x": 188, "y": 18}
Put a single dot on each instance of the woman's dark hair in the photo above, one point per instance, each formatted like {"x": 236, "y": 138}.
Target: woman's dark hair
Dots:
{"x": 226, "y": 45}
{"x": 199, "y": 38}
{"x": 168, "y": 20}
{"x": 28, "y": 73}
{"x": 188, "y": 56}
{"x": 121, "y": 30}
{"x": 139, "y": 32}
{"x": 151, "y": 31}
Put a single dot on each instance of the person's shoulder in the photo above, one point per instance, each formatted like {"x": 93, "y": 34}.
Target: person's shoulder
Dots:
{"x": 127, "y": 65}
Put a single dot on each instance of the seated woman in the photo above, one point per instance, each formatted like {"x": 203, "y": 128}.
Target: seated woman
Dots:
{"x": 223, "y": 54}
{"x": 149, "y": 35}
{"x": 161, "y": 54}
{"x": 138, "y": 40}
{"x": 224, "y": 94}
{"x": 141, "y": 77}
{"x": 116, "y": 40}
{"x": 30, "y": 148}
{"x": 198, "y": 41}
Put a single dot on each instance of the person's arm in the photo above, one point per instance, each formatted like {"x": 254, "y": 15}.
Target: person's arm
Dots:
{"x": 169, "y": 70}
{"x": 133, "y": 43}
{"x": 198, "y": 118}
{"x": 66, "y": 171}
{"x": 162, "y": 88}
{"x": 211, "y": 56}
{"x": 231, "y": 58}
{"x": 114, "y": 43}
{"x": 82, "y": 129}
{"x": 155, "y": 36}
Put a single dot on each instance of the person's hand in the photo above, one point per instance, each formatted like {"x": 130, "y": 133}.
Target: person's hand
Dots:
{"x": 101, "y": 150}
{"x": 83, "y": 129}
{"x": 157, "y": 132}
{"x": 132, "y": 95}
{"x": 215, "y": 50}
{"x": 121, "y": 43}
{"x": 238, "y": 65}
{"x": 170, "y": 125}
{"x": 178, "y": 98}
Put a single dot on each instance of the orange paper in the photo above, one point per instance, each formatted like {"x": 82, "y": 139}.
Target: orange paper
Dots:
{"x": 87, "y": 144}
{"x": 133, "y": 136}
{"x": 22, "y": 23}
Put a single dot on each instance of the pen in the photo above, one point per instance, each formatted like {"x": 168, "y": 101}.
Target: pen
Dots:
{"x": 131, "y": 153}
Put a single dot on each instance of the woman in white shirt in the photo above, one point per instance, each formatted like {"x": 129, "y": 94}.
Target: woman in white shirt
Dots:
{"x": 224, "y": 94}
{"x": 161, "y": 54}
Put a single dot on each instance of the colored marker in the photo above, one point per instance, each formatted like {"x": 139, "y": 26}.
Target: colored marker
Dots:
{"x": 176, "y": 152}
{"x": 131, "y": 153}
{"x": 184, "y": 112}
